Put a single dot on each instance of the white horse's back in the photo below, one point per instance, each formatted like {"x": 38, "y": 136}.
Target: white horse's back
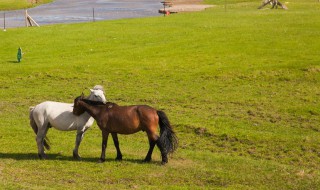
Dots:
{"x": 59, "y": 115}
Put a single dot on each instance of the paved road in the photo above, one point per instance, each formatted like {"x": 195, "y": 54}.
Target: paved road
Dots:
{"x": 70, "y": 11}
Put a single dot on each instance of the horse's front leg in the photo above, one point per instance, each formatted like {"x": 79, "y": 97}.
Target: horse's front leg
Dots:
{"x": 105, "y": 135}
{"x": 116, "y": 144}
{"x": 79, "y": 138}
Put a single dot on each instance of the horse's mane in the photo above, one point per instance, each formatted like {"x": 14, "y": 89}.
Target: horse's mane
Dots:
{"x": 93, "y": 103}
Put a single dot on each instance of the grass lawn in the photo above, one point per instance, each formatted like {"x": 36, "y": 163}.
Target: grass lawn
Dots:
{"x": 241, "y": 88}
{"x": 20, "y": 4}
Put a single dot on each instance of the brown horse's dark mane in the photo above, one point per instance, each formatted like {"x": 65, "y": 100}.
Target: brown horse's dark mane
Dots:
{"x": 97, "y": 104}
{"x": 94, "y": 103}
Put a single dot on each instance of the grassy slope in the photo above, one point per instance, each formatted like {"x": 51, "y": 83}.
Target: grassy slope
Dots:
{"x": 241, "y": 88}
{"x": 19, "y": 4}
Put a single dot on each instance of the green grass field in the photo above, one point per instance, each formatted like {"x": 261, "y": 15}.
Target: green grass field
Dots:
{"x": 20, "y": 4}
{"x": 240, "y": 87}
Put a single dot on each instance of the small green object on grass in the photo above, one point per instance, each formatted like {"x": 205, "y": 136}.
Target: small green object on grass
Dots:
{"x": 19, "y": 54}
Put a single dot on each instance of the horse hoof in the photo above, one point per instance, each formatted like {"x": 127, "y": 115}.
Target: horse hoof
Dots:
{"x": 101, "y": 160}
{"x": 164, "y": 162}
{"x": 42, "y": 156}
{"x": 119, "y": 158}
{"x": 76, "y": 156}
{"x": 146, "y": 160}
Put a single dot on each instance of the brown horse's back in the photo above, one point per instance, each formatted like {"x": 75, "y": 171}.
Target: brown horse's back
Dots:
{"x": 131, "y": 119}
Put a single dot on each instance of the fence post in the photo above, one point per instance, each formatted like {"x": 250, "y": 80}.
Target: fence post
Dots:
{"x": 93, "y": 14}
{"x": 30, "y": 20}
{"x": 26, "y": 15}
{"x": 4, "y": 21}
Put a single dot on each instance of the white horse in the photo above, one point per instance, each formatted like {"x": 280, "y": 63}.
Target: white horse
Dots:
{"x": 59, "y": 115}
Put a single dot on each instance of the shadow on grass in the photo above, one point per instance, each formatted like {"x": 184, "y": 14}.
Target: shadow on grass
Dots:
{"x": 13, "y": 62}
{"x": 34, "y": 156}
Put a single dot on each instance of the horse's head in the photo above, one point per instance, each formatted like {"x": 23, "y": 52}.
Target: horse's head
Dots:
{"x": 97, "y": 94}
{"x": 77, "y": 108}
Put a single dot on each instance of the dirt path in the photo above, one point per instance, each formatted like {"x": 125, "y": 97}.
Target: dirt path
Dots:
{"x": 185, "y": 6}
{"x": 192, "y": 2}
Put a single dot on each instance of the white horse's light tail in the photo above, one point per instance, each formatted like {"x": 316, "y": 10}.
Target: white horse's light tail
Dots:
{"x": 32, "y": 122}
{"x": 35, "y": 128}
{"x": 30, "y": 112}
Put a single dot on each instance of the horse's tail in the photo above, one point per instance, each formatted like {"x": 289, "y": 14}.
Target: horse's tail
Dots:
{"x": 46, "y": 142}
{"x": 168, "y": 138}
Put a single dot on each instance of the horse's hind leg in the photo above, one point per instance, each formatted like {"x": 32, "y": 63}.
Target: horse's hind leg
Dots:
{"x": 151, "y": 147}
{"x": 116, "y": 144}
{"x": 164, "y": 154}
{"x": 152, "y": 142}
{"x": 40, "y": 140}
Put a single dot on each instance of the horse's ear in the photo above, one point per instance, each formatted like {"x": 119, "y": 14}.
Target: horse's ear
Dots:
{"x": 91, "y": 90}
{"x": 82, "y": 95}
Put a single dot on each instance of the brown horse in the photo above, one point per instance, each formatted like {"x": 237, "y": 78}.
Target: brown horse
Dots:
{"x": 115, "y": 119}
